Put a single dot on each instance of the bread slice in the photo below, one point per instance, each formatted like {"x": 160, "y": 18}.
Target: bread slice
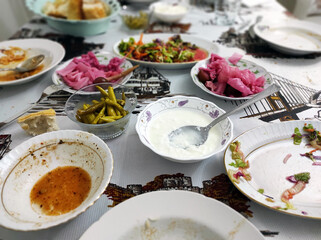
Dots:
{"x": 39, "y": 122}
{"x": 93, "y": 9}
{"x": 69, "y": 9}
{"x": 74, "y": 9}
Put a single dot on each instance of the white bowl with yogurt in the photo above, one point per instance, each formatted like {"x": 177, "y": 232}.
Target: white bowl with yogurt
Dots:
{"x": 169, "y": 12}
{"x": 160, "y": 118}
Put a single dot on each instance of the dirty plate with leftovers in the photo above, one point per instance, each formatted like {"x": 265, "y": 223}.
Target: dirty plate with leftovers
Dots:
{"x": 13, "y": 52}
{"x": 40, "y": 179}
{"x": 278, "y": 166}
{"x": 172, "y": 215}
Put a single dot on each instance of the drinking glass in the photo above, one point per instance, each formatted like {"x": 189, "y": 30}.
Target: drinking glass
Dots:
{"x": 226, "y": 11}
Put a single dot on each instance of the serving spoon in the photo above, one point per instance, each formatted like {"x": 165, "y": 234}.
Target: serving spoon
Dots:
{"x": 28, "y": 65}
{"x": 196, "y": 135}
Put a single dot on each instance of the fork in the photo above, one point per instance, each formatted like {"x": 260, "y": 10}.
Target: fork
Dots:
{"x": 313, "y": 100}
{"x": 47, "y": 92}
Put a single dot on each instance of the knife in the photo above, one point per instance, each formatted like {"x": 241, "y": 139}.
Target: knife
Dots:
{"x": 47, "y": 92}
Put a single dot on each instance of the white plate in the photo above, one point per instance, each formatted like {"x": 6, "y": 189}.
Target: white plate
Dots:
{"x": 200, "y": 42}
{"x": 53, "y": 51}
{"x": 171, "y": 215}
{"x": 23, "y": 166}
{"x": 265, "y": 148}
{"x": 242, "y": 64}
{"x": 103, "y": 58}
{"x": 291, "y": 36}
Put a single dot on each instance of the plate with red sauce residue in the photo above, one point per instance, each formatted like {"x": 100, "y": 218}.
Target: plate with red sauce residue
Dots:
{"x": 230, "y": 93}
{"x": 201, "y": 49}
{"x": 275, "y": 172}
{"x": 169, "y": 215}
{"x": 53, "y": 52}
{"x": 52, "y": 178}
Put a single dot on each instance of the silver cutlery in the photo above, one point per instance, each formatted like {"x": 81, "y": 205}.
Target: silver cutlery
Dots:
{"x": 196, "y": 135}
{"x": 47, "y": 92}
{"x": 313, "y": 100}
{"x": 28, "y": 65}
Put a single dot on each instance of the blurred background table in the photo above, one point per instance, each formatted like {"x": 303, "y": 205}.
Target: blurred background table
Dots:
{"x": 134, "y": 163}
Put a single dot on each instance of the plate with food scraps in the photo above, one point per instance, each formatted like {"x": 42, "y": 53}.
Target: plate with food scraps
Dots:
{"x": 179, "y": 52}
{"x": 13, "y": 52}
{"x": 172, "y": 214}
{"x": 52, "y": 178}
{"x": 73, "y": 74}
{"x": 246, "y": 78}
{"x": 277, "y": 166}
{"x": 291, "y": 36}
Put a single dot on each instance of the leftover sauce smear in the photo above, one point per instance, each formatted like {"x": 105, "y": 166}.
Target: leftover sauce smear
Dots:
{"x": 61, "y": 190}
{"x": 169, "y": 120}
{"x": 12, "y": 54}
{"x": 10, "y": 57}
{"x": 11, "y": 75}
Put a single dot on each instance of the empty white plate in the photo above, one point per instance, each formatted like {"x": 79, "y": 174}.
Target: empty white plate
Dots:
{"x": 291, "y": 36}
{"x": 172, "y": 215}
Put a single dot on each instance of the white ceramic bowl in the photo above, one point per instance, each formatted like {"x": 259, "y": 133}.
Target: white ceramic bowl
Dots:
{"x": 168, "y": 12}
{"x": 22, "y": 167}
{"x": 152, "y": 110}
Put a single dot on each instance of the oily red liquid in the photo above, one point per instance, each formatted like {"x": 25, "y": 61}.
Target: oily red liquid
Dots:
{"x": 11, "y": 56}
{"x": 61, "y": 190}
{"x": 11, "y": 75}
{"x": 200, "y": 54}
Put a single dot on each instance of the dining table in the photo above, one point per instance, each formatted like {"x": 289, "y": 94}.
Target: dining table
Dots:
{"x": 137, "y": 165}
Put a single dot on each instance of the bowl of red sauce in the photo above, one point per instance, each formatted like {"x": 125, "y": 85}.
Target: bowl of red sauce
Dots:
{"x": 52, "y": 178}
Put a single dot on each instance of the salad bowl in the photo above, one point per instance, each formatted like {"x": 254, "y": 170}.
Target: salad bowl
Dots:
{"x": 203, "y": 44}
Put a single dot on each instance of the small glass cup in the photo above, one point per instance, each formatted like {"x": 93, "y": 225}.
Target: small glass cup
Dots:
{"x": 226, "y": 11}
{"x": 89, "y": 93}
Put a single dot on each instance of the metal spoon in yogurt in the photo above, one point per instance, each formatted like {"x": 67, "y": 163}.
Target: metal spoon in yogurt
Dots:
{"x": 196, "y": 135}
{"x": 28, "y": 65}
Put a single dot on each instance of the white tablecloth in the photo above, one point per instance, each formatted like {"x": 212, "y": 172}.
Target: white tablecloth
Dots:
{"x": 134, "y": 163}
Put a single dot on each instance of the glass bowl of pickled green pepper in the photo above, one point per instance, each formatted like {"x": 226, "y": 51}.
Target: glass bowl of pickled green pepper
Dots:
{"x": 103, "y": 109}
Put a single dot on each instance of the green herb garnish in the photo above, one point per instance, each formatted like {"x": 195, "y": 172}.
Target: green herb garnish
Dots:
{"x": 304, "y": 177}
{"x": 237, "y": 156}
{"x": 297, "y": 136}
